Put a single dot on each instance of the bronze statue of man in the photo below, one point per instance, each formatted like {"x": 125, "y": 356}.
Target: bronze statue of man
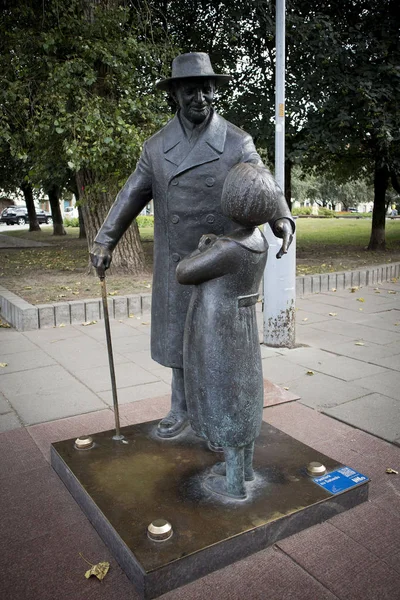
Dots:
{"x": 182, "y": 168}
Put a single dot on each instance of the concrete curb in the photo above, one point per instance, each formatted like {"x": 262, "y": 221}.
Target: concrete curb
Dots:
{"x": 342, "y": 280}
{"x": 26, "y": 317}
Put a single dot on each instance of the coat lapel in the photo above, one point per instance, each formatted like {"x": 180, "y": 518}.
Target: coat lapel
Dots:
{"x": 176, "y": 147}
{"x": 208, "y": 148}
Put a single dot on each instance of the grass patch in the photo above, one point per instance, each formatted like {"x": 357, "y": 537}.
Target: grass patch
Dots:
{"x": 328, "y": 245}
{"x": 338, "y": 232}
{"x": 60, "y": 271}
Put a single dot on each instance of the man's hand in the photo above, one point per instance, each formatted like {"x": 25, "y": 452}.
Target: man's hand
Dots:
{"x": 283, "y": 229}
{"x": 101, "y": 258}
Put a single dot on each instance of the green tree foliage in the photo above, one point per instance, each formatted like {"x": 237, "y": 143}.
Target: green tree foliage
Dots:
{"x": 349, "y": 65}
{"x": 326, "y": 190}
{"x": 79, "y": 97}
{"x": 342, "y": 81}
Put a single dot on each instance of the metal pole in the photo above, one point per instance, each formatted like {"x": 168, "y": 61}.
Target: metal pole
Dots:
{"x": 101, "y": 273}
{"x": 280, "y": 95}
{"x": 279, "y": 275}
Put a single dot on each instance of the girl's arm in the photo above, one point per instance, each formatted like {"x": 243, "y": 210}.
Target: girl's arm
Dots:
{"x": 209, "y": 261}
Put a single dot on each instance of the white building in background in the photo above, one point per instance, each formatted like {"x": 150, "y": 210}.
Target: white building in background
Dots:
{"x": 149, "y": 209}
{"x": 362, "y": 207}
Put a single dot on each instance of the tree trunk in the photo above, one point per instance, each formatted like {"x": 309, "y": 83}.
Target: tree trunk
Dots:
{"x": 128, "y": 255}
{"x": 381, "y": 179}
{"x": 82, "y": 229}
{"x": 75, "y": 191}
{"x": 54, "y": 197}
{"x": 30, "y": 206}
{"x": 288, "y": 182}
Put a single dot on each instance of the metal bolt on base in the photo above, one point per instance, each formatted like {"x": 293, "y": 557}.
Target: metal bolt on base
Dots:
{"x": 159, "y": 530}
{"x": 84, "y": 442}
{"x": 315, "y": 469}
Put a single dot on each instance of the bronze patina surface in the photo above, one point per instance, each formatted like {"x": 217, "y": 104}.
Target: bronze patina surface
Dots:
{"x": 124, "y": 486}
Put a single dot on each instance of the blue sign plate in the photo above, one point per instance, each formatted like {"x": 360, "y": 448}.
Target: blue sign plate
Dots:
{"x": 340, "y": 480}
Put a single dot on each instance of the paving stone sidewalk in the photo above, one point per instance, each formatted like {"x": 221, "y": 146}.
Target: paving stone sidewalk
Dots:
{"x": 8, "y": 241}
{"x": 346, "y": 370}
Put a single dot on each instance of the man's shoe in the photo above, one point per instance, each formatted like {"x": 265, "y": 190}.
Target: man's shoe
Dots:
{"x": 172, "y": 425}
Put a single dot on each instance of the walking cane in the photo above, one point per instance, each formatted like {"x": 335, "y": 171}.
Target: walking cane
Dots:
{"x": 102, "y": 275}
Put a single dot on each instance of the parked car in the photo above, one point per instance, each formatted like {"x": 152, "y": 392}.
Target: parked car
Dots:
{"x": 4, "y": 213}
{"x": 16, "y": 215}
{"x": 71, "y": 212}
{"x": 44, "y": 217}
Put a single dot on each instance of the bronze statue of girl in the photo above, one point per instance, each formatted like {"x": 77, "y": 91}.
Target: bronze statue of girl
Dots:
{"x": 222, "y": 360}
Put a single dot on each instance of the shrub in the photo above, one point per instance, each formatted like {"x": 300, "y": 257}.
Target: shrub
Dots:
{"x": 303, "y": 210}
{"x": 145, "y": 221}
{"x": 142, "y": 221}
{"x": 325, "y": 212}
{"x": 74, "y": 222}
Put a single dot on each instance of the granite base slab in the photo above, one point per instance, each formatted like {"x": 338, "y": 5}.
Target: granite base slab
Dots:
{"x": 123, "y": 486}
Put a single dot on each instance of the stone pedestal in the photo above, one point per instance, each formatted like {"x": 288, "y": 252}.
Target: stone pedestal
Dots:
{"x": 124, "y": 486}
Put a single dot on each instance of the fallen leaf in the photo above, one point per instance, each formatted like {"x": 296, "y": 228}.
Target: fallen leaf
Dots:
{"x": 88, "y": 323}
{"x": 377, "y": 292}
{"x": 3, "y": 365}
{"x": 131, "y": 316}
{"x": 100, "y": 570}
{"x": 360, "y": 309}
{"x": 359, "y": 344}
{"x": 391, "y": 292}
{"x": 310, "y": 373}
{"x": 285, "y": 388}
{"x": 62, "y": 325}
{"x": 396, "y": 324}
{"x": 360, "y": 300}
{"x": 145, "y": 323}
{"x": 28, "y": 287}
{"x": 4, "y": 324}
{"x": 390, "y": 471}
{"x": 306, "y": 319}
{"x": 354, "y": 289}
{"x": 333, "y": 289}
{"x": 332, "y": 314}
{"x": 394, "y": 280}
{"x": 114, "y": 293}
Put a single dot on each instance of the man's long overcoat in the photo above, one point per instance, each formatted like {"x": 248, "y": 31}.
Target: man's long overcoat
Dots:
{"x": 186, "y": 184}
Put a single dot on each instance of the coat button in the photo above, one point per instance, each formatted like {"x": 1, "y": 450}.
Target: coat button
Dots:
{"x": 210, "y": 218}
{"x": 175, "y": 181}
{"x": 175, "y": 219}
{"x": 175, "y": 257}
{"x": 210, "y": 181}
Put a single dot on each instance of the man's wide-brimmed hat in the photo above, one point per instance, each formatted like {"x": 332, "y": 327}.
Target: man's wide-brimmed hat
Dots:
{"x": 192, "y": 64}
